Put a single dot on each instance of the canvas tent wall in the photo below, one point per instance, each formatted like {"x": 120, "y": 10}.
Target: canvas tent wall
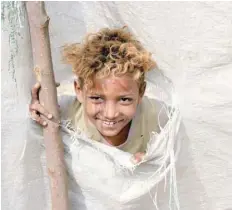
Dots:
{"x": 192, "y": 44}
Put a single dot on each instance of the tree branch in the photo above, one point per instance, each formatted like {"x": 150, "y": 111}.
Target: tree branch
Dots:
{"x": 39, "y": 21}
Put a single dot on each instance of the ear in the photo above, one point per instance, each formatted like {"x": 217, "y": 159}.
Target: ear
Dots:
{"x": 78, "y": 91}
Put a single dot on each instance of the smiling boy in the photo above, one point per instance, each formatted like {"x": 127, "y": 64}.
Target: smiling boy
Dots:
{"x": 109, "y": 106}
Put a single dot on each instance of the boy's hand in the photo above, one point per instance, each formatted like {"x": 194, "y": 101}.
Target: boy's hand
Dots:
{"x": 137, "y": 157}
{"x": 36, "y": 109}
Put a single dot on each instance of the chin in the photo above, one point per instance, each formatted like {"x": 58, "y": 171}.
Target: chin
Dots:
{"x": 109, "y": 133}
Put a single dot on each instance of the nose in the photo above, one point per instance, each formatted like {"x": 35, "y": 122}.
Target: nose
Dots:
{"x": 110, "y": 111}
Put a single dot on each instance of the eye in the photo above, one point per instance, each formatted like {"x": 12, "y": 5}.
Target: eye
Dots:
{"x": 126, "y": 100}
{"x": 96, "y": 99}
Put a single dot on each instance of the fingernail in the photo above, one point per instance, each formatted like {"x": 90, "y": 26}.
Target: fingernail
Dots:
{"x": 49, "y": 116}
{"x": 37, "y": 85}
{"x": 44, "y": 123}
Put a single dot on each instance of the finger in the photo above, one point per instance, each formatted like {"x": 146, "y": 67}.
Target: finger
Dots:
{"x": 35, "y": 91}
{"x": 138, "y": 157}
{"x": 38, "y": 119}
{"x": 41, "y": 110}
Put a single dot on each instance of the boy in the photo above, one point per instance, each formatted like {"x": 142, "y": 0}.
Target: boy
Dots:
{"x": 109, "y": 105}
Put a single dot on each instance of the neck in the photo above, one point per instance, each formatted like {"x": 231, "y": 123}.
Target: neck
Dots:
{"x": 120, "y": 138}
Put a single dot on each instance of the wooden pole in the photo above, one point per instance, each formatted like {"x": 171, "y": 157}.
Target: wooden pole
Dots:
{"x": 38, "y": 22}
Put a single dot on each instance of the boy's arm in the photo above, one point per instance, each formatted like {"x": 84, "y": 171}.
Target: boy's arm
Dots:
{"x": 35, "y": 125}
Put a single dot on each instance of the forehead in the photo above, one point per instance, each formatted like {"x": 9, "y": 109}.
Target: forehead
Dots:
{"x": 114, "y": 84}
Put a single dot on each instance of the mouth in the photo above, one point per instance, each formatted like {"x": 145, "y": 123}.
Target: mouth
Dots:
{"x": 107, "y": 123}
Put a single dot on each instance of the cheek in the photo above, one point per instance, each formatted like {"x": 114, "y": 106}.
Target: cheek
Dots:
{"x": 91, "y": 109}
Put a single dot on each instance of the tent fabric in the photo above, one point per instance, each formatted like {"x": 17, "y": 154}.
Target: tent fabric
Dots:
{"x": 191, "y": 43}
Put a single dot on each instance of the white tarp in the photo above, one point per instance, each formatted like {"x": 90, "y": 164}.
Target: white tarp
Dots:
{"x": 192, "y": 44}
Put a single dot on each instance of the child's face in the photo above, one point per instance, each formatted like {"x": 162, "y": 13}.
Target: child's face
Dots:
{"x": 111, "y": 103}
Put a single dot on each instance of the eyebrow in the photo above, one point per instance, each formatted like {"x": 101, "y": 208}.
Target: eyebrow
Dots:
{"x": 126, "y": 95}
{"x": 119, "y": 96}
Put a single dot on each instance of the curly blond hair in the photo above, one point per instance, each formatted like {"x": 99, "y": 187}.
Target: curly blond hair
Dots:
{"x": 109, "y": 51}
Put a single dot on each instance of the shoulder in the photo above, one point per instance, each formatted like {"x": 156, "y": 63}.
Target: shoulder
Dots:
{"x": 154, "y": 111}
{"x": 152, "y": 103}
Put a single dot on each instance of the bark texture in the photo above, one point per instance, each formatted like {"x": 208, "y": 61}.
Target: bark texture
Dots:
{"x": 39, "y": 21}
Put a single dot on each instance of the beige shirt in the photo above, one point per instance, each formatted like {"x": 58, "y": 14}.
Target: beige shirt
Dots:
{"x": 143, "y": 123}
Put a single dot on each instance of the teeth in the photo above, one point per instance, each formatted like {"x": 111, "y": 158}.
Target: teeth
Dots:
{"x": 108, "y": 123}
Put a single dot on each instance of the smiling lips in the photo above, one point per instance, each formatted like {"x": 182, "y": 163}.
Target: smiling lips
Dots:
{"x": 110, "y": 123}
